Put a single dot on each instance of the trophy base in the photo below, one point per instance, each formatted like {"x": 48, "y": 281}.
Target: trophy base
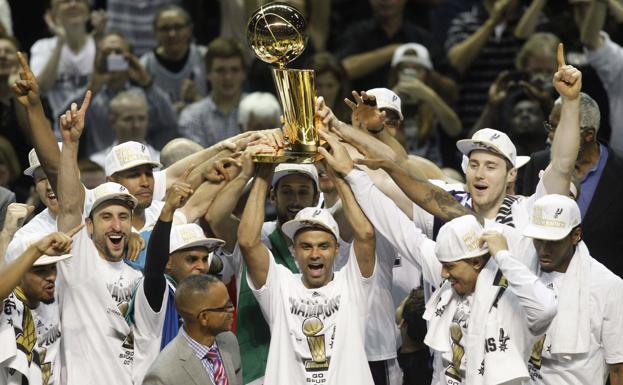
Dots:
{"x": 312, "y": 366}
{"x": 283, "y": 156}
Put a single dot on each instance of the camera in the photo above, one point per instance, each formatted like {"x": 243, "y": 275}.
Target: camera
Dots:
{"x": 116, "y": 63}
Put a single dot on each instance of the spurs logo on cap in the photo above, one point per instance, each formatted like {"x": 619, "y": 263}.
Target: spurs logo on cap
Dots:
{"x": 394, "y": 98}
{"x": 540, "y": 219}
{"x": 494, "y": 137}
{"x": 187, "y": 235}
{"x": 557, "y": 213}
{"x": 316, "y": 213}
{"x": 471, "y": 240}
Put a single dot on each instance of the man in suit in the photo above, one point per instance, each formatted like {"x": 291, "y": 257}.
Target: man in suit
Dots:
{"x": 205, "y": 351}
{"x": 599, "y": 170}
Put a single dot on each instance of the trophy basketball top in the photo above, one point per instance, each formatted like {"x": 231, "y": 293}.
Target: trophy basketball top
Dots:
{"x": 277, "y": 33}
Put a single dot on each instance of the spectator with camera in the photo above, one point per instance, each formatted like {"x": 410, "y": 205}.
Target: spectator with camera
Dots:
{"x": 117, "y": 69}
{"x": 423, "y": 109}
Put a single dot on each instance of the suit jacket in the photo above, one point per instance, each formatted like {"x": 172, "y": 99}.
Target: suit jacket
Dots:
{"x": 602, "y": 226}
{"x": 177, "y": 363}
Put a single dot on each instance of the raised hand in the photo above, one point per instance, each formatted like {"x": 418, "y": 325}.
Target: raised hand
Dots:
{"x": 224, "y": 169}
{"x": 57, "y": 243}
{"x": 494, "y": 240}
{"x": 499, "y": 9}
{"x": 136, "y": 71}
{"x": 177, "y": 195}
{"x": 72, "y": 121}
{"x": 412, "y": 90}
{"x": 338, "y": 158}
{"x": 54, "y": 28}
{"x": 365, "y": 115}
{"x": 16, "y": 213}
{"x": 135, "y": 245}
{"x": 26, "y": 89}
{"x": 568, "y": 79}
{"x": 99, "y": 19}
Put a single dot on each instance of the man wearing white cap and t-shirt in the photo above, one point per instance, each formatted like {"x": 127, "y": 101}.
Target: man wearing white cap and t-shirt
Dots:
{"x": 30, "y": 331}
{"x": 489, "y": 310}
{"x": 294, "y": 187}
{"x": 585, "y": 341}
{"x": 98, "y": 345}
{"x": 174, "y": 252}
{"x": 317, "y": 317}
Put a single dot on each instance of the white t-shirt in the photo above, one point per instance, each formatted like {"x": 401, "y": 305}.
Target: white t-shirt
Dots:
{"x": 97, "y": 341}
{"x": 333, "y": 317}
{"x": 48, "y": 330}
{"x": 147, "y": 331}
{"x": 72, "y": 73}
{"x": 606, "y": 343}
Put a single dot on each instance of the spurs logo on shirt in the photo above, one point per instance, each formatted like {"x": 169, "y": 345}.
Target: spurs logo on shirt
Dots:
{"x": 120, "y": 290}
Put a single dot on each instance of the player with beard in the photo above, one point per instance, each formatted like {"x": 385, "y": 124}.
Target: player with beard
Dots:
{"x": 30, "y": 309}
{"x": 98, "y": 344}
{"x": 294, "y": 187}
{"x": 584, "y": 343}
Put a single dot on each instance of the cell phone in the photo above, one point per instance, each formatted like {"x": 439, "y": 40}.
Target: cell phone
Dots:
{"x": 116, "y": 63}
{"x": 407, "y": 74}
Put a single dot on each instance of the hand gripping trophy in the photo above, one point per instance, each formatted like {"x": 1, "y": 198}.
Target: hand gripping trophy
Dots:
{"x": 276, "y": 33}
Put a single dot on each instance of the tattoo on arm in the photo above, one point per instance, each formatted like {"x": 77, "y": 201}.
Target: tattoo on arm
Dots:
{"x": 447, "y": 208}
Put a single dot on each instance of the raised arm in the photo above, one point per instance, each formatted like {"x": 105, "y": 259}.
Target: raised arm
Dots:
{"x": 530, "y": 19}
{"x": 361, "y": 64}
{"x": 38, "y": 129}
{"x": 52, "y": 244}
{"x": 364, "y": 241}
{"x": 593, "y": 24}
{"x": 154, "y": 283}
{"x": 462, "y": 54}
{"x": 47, "y": 71}
{"x": 254, "y": 252}
{"x": 566, "y": 143}
{"x": 219, "y": 215}
{"x": 537, "y": 301}
{"x": 70, "y": 191}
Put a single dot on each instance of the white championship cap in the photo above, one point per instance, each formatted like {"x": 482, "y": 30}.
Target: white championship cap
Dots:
{"x": 311, "y": 217}
{"x": 459, "y": 239}
{"x": 412, "y": 53}
{"x": 191, "y": 235}
{"x": 25, "y": 242}
{"x": 553, "y": 217}
{"x": 33, "y": 161}
{"x": 285, "y": 169}
{"x": 492, "y": 140}
{"x": 111, "y": 191}
{"x": 386, "y": 98}
{"x": 127, "y": 155}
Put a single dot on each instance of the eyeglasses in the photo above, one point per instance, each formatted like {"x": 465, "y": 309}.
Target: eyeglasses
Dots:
{"x": 171, "y": 27}
{"x": 229, "y": 306}
{"x": 551, "y": 128}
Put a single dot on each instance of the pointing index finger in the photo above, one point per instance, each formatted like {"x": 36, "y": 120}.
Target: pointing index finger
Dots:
{"x": 75, "y": 230}
{"x": 560, "y": 55}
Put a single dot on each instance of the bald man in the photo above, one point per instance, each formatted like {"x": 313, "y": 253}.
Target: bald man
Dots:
{"x": 205, "y": 350}
{"x": 177, "y": 149}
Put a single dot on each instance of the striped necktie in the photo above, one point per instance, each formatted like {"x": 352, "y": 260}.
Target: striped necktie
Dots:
{"x": 220, "y": 378}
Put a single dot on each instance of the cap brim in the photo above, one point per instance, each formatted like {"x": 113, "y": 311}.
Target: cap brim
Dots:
{"x": 127, "y": 198}
{"x": 545, "y": 233}
{"x": 521, "y": 161}
{"x": 466, "y": 146}
{"x": 473, "y": 254}
{"x": 50, "y": 259}
{"x": 31, "y": 170}
{"x": 281, "y": 174}
{"x": 137, "y": 163}
{"x": 291, "y": 227}
{"x": 208, "y": 243}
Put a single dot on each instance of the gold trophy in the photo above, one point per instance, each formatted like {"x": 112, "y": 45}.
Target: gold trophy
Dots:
{"x": 276, "y": 33}
{"x": 319, "y": 362}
